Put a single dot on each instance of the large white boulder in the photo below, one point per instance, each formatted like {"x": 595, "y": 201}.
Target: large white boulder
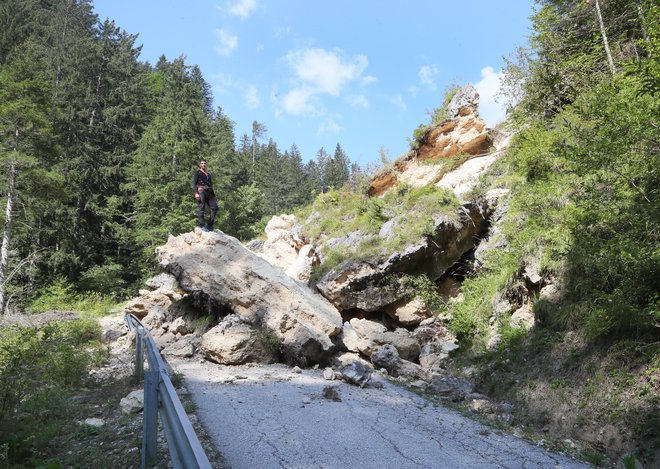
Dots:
{"x": 262, "y": 295}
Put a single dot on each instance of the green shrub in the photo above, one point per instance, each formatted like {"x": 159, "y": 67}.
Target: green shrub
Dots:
{"x": 60, "y": 296}
{"x": 39, "y": 369}
{"x": 422, "y": 287}
{"x": 103, "y": 278}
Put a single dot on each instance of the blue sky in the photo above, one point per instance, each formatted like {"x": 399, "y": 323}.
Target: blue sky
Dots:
{"x": 361, "y": 73}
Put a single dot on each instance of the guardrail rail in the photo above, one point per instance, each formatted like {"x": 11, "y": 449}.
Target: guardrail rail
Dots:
{"x": 160, "y": 398}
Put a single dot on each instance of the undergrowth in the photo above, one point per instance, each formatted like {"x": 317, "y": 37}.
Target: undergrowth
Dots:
{"x": 61, "y": 296}
{"x": 583, "y": 209}
{"x": 40, "y": 369}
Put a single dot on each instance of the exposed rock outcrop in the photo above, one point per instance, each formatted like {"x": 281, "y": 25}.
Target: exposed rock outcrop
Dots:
{"x": 261, "y": 294}
{"x": 464, "y": 133}
{"x": 287, "y": 249}
{"x": 372, "y": 285}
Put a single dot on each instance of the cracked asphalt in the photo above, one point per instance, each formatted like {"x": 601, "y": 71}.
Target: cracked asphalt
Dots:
{"x": 267, "y": 416}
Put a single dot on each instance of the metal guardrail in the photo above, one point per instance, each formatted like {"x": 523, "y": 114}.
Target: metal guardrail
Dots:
{"x": 161, "y": 398}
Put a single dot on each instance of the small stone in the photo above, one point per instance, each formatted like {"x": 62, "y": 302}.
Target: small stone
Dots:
{"x": 329, "y": 374}
{"x": 94, "y": 422}
{"x": 296, "y": 369}
{"x": 331, "y": 393}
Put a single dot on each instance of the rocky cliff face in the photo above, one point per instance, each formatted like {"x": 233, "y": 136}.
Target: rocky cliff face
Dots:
{"x": 464, "y": 133}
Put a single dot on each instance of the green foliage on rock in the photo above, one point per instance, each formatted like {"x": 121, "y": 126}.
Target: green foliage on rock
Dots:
{"x": 337, "y": 216}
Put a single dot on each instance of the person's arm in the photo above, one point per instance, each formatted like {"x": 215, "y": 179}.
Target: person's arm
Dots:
{"x": 195, "y": 177}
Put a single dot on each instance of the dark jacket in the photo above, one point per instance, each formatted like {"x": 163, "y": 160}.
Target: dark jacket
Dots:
{"x": 202, "y": 179}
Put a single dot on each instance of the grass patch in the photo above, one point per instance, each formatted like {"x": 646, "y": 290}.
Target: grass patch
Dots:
{"x": 347, "y": 225}
{"x": 60, "y": 296}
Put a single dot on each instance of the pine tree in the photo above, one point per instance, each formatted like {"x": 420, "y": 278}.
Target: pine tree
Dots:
{"x": 160, "y": 175}
{"x": 25, "y": 147}
{"x": 337, "y": 171}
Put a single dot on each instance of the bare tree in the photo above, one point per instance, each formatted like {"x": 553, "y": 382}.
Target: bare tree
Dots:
{"x": 604, "y": 34}
{"x": 6, "y": 235}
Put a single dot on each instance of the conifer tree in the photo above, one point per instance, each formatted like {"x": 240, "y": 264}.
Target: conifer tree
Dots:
{"x": 25, "y": 147}
{"x": 160, "y": 175}
{"x": 337, "y": 171}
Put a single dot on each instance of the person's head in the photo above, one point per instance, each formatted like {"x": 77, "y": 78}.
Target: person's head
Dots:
{"x": 202, "y": 164}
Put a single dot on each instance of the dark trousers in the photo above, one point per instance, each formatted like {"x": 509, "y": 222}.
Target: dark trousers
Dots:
{"x": 205, "y": 198}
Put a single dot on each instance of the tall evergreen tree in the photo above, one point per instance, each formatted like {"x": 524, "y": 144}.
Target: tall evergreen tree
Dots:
{"x": 25, "y": 146}
{"x": 337, "y": 171}
{"x": 160, "y": 175}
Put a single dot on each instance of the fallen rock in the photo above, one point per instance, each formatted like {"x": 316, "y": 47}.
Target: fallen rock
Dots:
{"x": 234, "y": 342}
{"x": 331, "y": 393}
{"x": 356, "y": 373}
{"x": 408, "y": 312}
{"x": 162, "y": 281}
{"x": 281, "y": 246}
{"x": 261, "y": 294}
{"x": 371, "y": 285}
{"x": 178, "y": 326}
{"x": 523, "y": 317}
{"x": 157, "y": 301}
{"x": 387, "y": 357}
{"x": 450, "y": 387}
{"x": 328, "y": 374}
{"x": 133, "y": 403}
{"x": 183, "y": 348}
{"x": 94, "y": 422}
{"x": 364, "y": 336}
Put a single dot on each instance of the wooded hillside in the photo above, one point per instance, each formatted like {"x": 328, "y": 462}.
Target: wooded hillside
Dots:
{"x": 97, "y": 152}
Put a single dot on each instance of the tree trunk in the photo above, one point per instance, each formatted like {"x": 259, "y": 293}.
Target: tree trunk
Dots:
{"x": 6, "y": 236}
{"x": 645, "y": 33}
{"x": 607, "y": 46}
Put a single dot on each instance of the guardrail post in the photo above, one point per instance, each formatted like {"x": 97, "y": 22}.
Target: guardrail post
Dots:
{"x": 150, "y": 418}
{"x": 139, "y": 352}
{"x": 160, "y": 397}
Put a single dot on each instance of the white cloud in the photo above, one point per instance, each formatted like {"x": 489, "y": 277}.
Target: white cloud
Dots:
{"x": 398, "y": 101}
{"x": 227, "y": 42}
{"x": 490, "y": 111}
{"x": 326, "y": 71}
{"x": 360, "y": 101}
{"x": 427, "y": 75}
{"x": 282, "y": 31}
{"x": 298, "y": 102}
{"x": 368, "y": 80}
{"x": 329, "y": 126}
{"x": 252, "y": 98}
{"x": 318, "y": 72}
{"x": 242, "y": 8}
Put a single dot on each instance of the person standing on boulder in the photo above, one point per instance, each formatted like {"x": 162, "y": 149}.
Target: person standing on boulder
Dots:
{"x": 204, "y": 194}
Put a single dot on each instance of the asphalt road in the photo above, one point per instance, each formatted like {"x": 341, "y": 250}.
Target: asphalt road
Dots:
{"x": 269, "y": 417}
